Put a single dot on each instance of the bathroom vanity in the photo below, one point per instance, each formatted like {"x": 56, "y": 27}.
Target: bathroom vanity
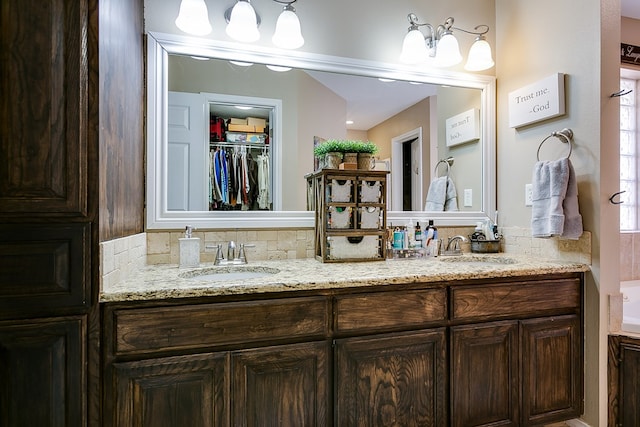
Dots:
{"x": 465, "y": 341}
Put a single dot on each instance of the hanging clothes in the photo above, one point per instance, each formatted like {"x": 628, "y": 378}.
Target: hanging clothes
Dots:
{"x": 264, "y": 196}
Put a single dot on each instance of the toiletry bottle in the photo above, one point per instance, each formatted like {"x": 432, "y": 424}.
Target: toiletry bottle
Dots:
{"x": 189, "y": 249}
{"x": 411, "y": 235}
{"x": 398, "y": 238}
{"x": 434, "y": 228}
{"x": 418, "y": 233}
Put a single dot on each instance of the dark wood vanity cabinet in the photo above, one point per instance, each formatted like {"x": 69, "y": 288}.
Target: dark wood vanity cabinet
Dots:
{"x": 472, "y": 353}
{"x": 624, "y": 380}
{"x": 525, "y": 370}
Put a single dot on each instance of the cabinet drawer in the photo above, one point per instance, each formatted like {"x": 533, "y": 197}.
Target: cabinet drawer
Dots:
{"x": 514, "y": 299}
{"x": 150, "y": 330}
{"x": 390, "y": 310}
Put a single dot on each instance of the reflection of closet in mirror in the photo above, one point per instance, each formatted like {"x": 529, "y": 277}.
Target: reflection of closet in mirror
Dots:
{"x": 220, "y": 152}
{"x": 239, "y": 158}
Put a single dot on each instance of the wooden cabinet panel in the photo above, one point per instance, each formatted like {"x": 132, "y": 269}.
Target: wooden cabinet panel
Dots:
{"x": 390, "y": 310}
{"x": 43, "y": 107}
{"x": 43, "y": 268}
{"x": 551, "y": 369}
{"x": 624, "y": 380}
{"x": 395, "y": 379}
{"x": 498, "y": 301}
{"x": 42, "y": 375}
{"x": 282, "y": 386}
{"x": 175, "y": 391}
{"x": 484, "y": 374}
{"x": 199, "y": 326}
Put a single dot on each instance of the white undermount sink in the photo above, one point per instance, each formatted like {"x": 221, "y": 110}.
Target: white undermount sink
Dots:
{"x": 228, "y": 273}
{"x": 479, "y": 259}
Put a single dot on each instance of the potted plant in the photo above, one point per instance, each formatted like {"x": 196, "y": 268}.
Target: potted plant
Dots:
{"x": 330, "y": 153}
{"x": 351, "y": 151}
{"x": 365, "y": 150}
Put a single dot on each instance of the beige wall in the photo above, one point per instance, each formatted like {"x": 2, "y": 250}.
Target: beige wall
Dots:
{"x": 527, "y": 52}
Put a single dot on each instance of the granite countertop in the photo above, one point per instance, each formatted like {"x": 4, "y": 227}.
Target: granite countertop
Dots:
{"x": 168, "y": 281}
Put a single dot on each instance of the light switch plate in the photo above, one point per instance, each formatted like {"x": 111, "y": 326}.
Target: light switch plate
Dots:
{"x": 528, "y": 200}
{"x": 468, "y": 197}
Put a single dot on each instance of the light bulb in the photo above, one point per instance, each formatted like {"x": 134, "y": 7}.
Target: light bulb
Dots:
{"x": 193, "y": 18}
{"x": 288, "y": 34}
{"x": 479, "y": 56}
{"x": 414, "y": 48}
{"x": 447, "y": 51}
{"x": 243, "y": 23}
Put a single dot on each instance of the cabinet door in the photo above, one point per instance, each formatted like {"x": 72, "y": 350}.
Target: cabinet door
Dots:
{"x": 42, "y": 380}
{"x": 394, "y": 379}
{"x": 551, "y": 369}
{"x": 43, "y": 103}
{"x": 174, "y": 391}
{"x": 484, "y": 374}
{"x": 629, "y": 384}
{"x": 281, "y": 386}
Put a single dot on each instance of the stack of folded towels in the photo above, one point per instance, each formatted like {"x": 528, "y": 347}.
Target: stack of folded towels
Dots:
{"x": 555, "y": 209}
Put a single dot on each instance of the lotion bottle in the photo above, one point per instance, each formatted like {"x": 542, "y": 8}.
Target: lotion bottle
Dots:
{"x": 189, "y": 249}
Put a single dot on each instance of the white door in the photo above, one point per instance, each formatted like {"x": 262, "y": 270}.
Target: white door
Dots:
{"x": 188, "y": 151}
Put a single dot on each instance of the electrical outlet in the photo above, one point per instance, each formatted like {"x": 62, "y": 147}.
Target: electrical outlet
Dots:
{"x": 528, "y": 196}
{"x": 468, "y": 197}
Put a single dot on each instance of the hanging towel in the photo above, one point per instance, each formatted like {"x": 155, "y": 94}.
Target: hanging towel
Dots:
{"x": 442, "y": 195}
{"x": 555, "y": 200}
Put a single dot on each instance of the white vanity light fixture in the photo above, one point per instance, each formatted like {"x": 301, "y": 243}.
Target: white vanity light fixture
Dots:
{"x": 193, "y": 18}
{"x": 288, "y": 34}
{"x": 440, "y": 47}
{"x": 243, "y": 22}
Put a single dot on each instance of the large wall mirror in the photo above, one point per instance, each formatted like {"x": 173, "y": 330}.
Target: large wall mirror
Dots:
{"x": 414, "y": 116}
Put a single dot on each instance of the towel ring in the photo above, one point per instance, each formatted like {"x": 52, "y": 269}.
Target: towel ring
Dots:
{"x": 448, "y": 161}
{"x": 566, "y": 134}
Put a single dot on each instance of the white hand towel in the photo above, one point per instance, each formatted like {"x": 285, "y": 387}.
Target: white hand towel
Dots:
{"x": 437, "y": 195}
{"x": 442, "y": 195}
{"x": 572, "y": 218}
{"x": 451, "y": 202}
{"x": 555, "y": 200}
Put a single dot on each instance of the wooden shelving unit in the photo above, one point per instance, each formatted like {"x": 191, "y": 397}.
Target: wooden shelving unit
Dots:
{"x": 350, "y": 214}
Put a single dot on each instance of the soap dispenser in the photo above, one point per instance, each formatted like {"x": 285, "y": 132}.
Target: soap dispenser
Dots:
{"x": 189, "y": 249}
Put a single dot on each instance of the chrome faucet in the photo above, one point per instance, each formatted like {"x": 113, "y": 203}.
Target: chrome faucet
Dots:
{"x": 232, "y": 258}
{"x": 453, "y": 245}
{"x": 231, "y": 250}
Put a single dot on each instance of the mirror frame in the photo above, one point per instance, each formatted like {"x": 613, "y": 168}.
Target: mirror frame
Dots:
{"x": 161, "y": 45}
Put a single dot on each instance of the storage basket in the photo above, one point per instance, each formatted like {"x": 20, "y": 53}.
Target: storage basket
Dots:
{"x": 370, "y": 191}
{"x": 340, "y": 190}
{"x": 370, "y": 217}
{"x": 339, "y": 217}
{"x": 359, "y": 247}
{"x": 485, "y": 246}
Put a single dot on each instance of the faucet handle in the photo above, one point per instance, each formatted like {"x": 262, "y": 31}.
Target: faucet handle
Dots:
{"x": 242, "y": 256}
{"x": 219, "y": 254}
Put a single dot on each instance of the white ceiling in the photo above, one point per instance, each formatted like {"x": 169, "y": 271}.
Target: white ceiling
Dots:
{"x": 370, "y": 101}
{"x": 630, "y": 8}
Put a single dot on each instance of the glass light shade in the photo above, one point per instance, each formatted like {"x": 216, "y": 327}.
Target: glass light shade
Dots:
{"x": 414, "y": 48}
{"x": 243, "y": 23}
{"x": 278, "y": 68}
{"x": 193, "y": 18}
{"x": 447, "y": 51}
{"x": 288, "y": 34}
{"x": 479, "y": 56}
